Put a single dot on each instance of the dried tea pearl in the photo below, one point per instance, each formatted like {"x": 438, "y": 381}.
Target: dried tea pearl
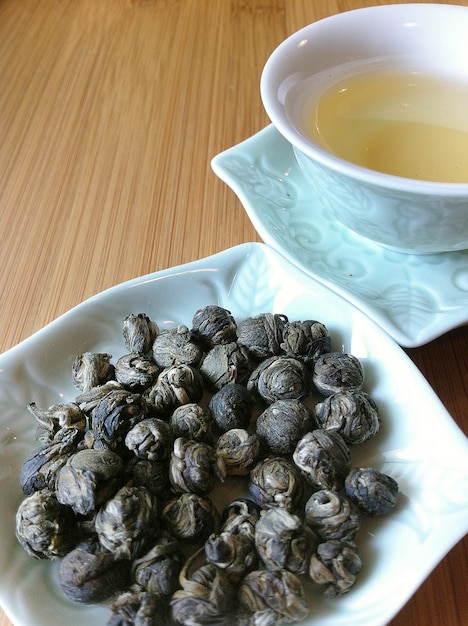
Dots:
{"x": 240, "y": 517}
{"x": 154, "y": 475}
{"x": 88, "y": 400}
{"x": 276, "y": 482}
{"x": 195, "y": 608}
{"x": 114, "y": 415}
{"x": 233, "y": 553}
{"x": 194, "y": 466}
{"x": 90, "y": 574}
{"x": 206, "y": 595}
{"x": 262, "y": 334}
{"x": 231, "y": 407}
{"x": 306, "y": 340}
{"x": 177, "y": 345}
{"x": 238, "y": 450}
{"x": 332, "y": 516}
{"x": 45, "y": 528}
{"x": 353, "y": 414}
{"x": 205, "y": 579}
{"x": 40, "y": 468}
{"x": 88, "y": 479}
{"x": 191, "y": 517}
{"x": 158, "y": 570}
{"x": 323, "y": 458}
{"x": 279, "y": 378}
{"x": 135, "y": 371}
{"x": 337, "y": 371}
{"x": 192, "y": 422}
{"x": 150, "y": 439}
{"x": 127, "y": 523}
{"x": 284, "y": 541}
{"x": 91, "y": 369}
{"x": 282, "y": 424}
{"x": 335, "y": 566}
{"x": 139, "y": 607}
{"x": 175, "y": 385}
{"x": 226, "y": 363}
{"x": 139, "y": 333}
{"x": 57, "y": 416}
{"x": 276, "y": 595}
{"x": 374, "y": 492}
{"x": 214, "y": 325}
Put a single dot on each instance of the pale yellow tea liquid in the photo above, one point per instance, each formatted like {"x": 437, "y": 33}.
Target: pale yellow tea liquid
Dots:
{"x": 408, "y": 125}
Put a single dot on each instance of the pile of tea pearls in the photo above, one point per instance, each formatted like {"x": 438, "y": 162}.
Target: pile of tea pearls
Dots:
{"x": 123, "y": 485}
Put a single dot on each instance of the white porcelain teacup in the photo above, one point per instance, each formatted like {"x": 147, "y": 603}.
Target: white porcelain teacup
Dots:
{"x": 425, "y": 42}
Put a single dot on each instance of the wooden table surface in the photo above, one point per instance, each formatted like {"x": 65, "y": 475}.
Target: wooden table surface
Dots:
{"x": 110, "y": 112}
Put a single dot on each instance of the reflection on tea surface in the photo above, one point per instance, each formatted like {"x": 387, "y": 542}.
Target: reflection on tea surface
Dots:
{"x": 406, "y": 124}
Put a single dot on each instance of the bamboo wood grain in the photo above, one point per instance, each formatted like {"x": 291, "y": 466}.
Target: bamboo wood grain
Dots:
{"x": 110, "y": 112}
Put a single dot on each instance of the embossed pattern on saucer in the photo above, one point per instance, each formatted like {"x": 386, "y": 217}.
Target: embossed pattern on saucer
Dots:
{"x": 415, "y": 298}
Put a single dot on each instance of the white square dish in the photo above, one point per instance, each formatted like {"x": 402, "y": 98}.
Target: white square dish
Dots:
{"x": 418, "y": 444}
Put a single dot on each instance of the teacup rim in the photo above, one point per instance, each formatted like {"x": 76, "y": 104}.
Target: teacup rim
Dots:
{"x": 319, "y": 154}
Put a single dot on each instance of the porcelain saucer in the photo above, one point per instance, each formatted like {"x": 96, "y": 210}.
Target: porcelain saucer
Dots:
{"x": 415, "y": 298}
